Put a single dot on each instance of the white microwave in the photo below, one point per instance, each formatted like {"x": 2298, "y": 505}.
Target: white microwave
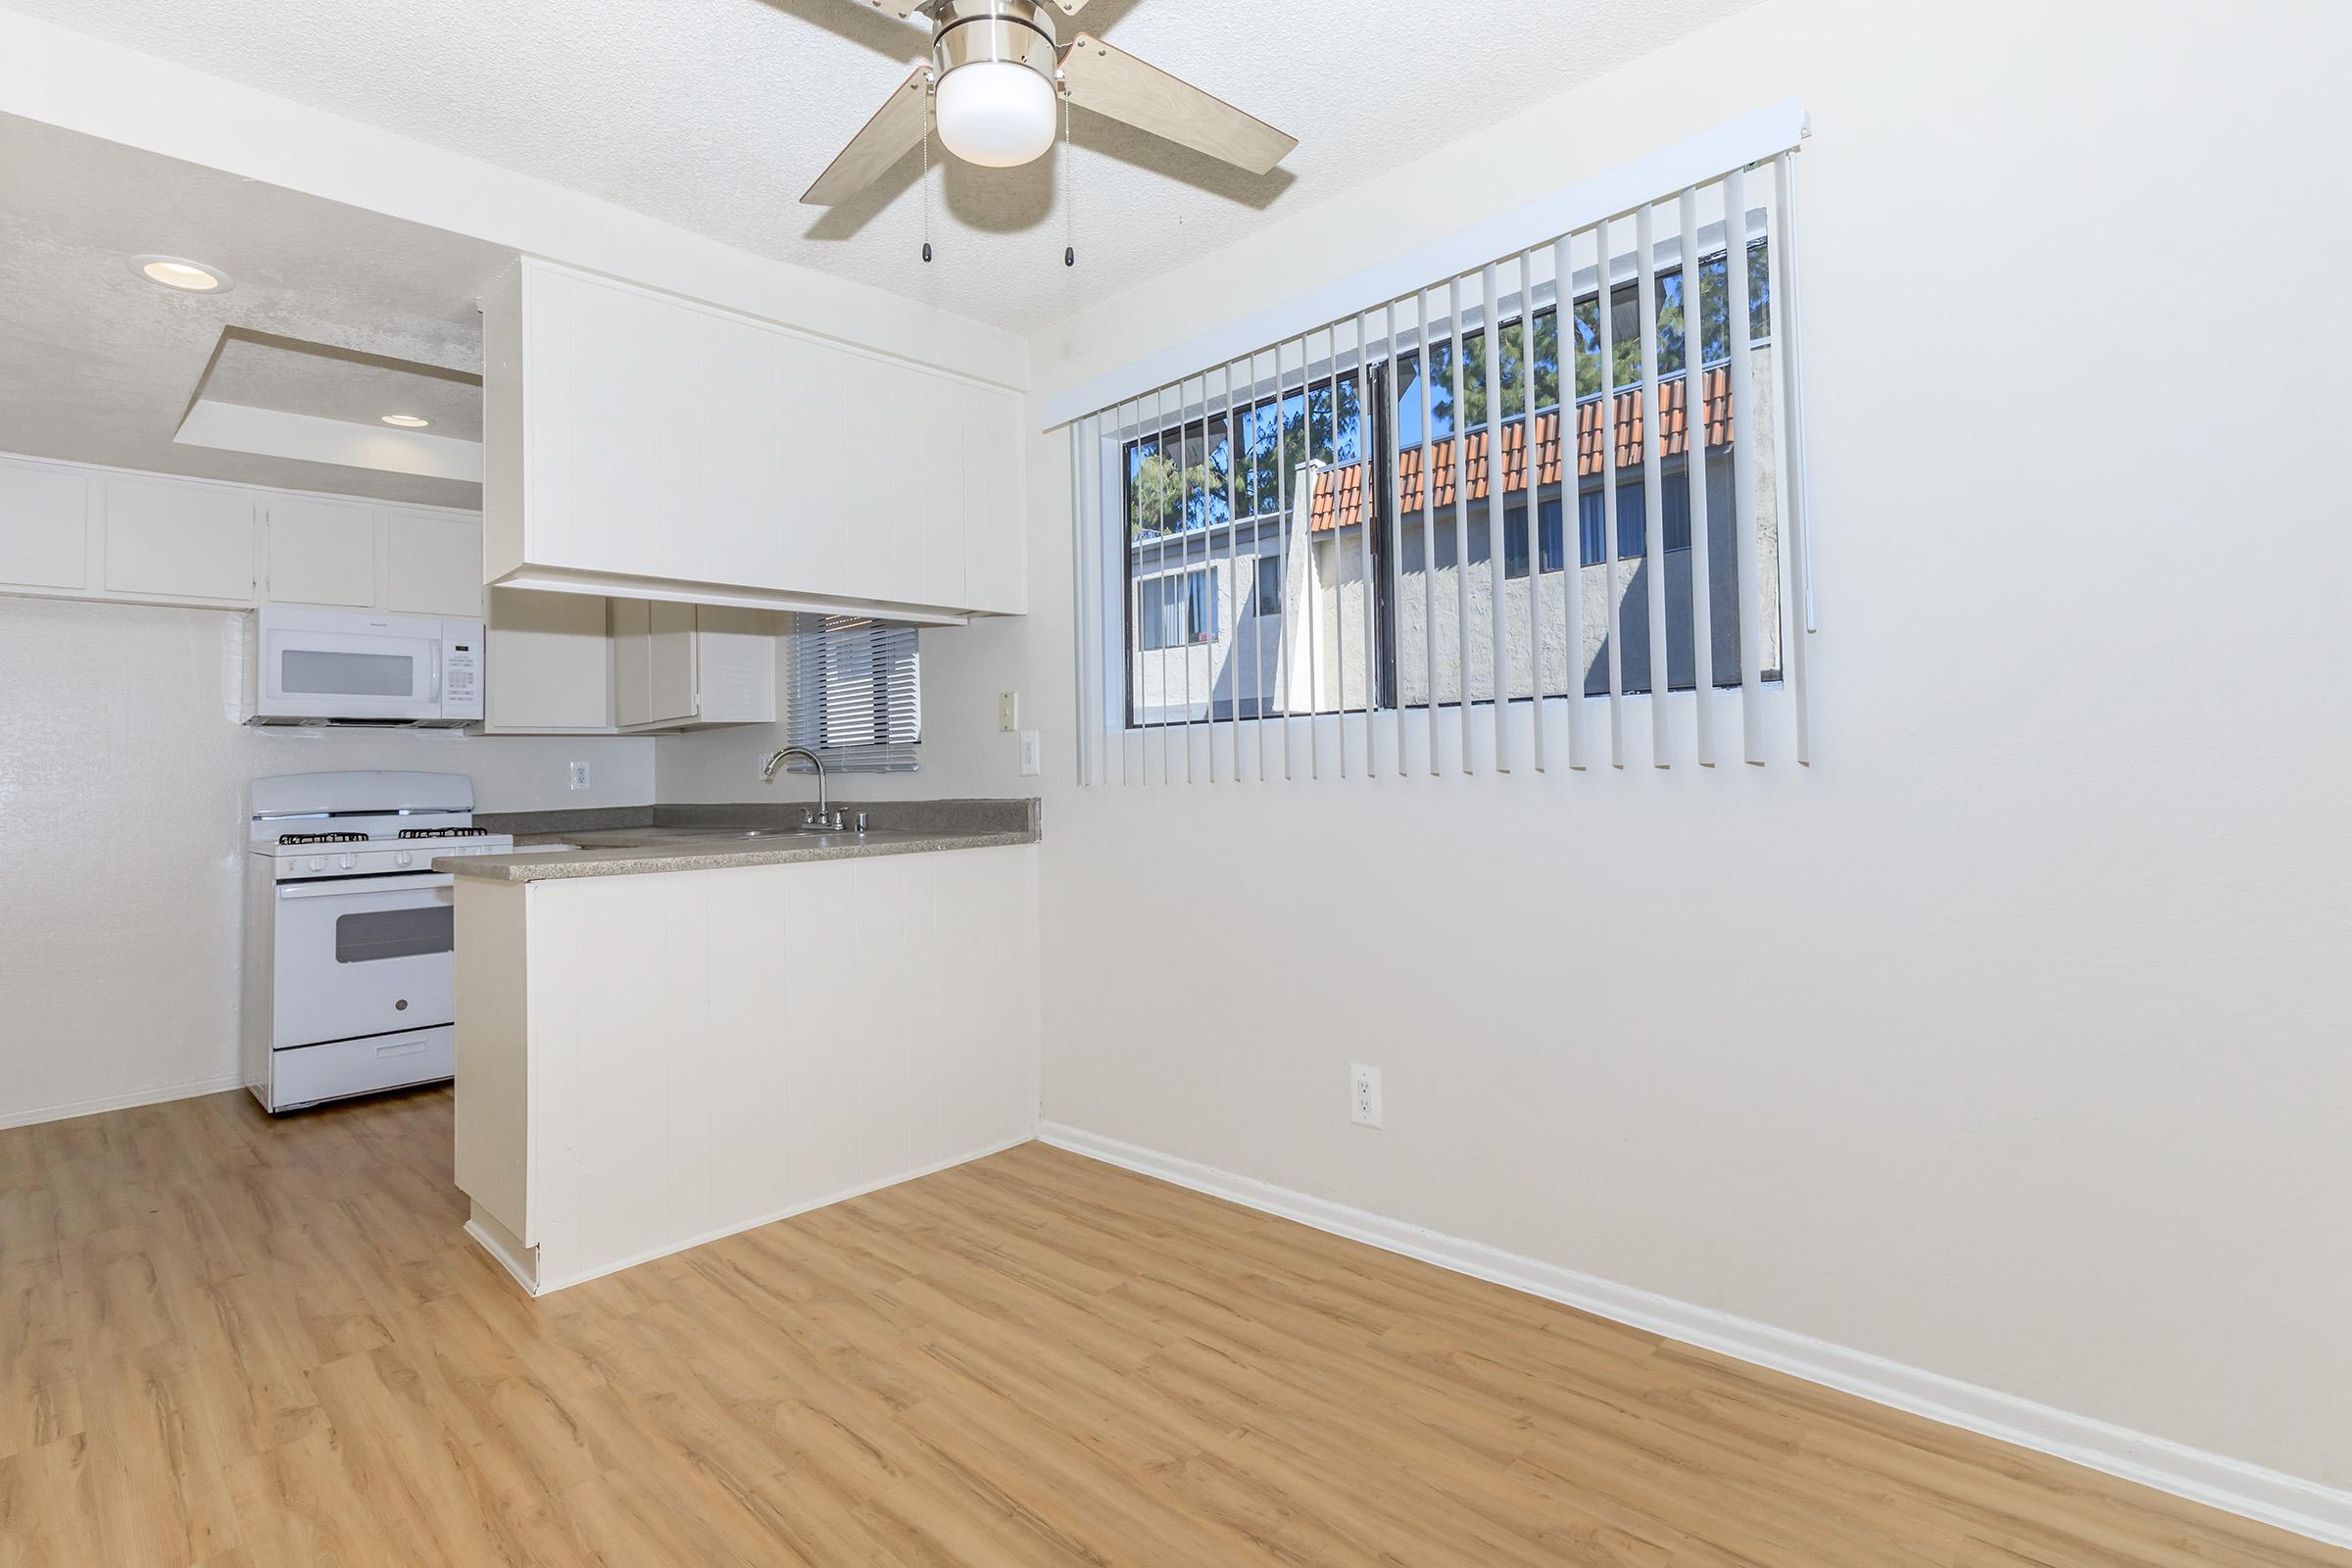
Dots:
{"x": 337, "y": 666}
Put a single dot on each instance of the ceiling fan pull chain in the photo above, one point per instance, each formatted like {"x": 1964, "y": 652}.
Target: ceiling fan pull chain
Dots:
{"x": 1069, "y": 192}
{"x": 926, "y": 177}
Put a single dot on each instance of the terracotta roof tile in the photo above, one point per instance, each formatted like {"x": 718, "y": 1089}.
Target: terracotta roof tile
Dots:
{"x": 1339, "y": 492}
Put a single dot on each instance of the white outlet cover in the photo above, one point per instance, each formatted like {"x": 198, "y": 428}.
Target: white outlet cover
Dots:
{"x": 579, "y": 775}
{"x": 1363, "y": 1095}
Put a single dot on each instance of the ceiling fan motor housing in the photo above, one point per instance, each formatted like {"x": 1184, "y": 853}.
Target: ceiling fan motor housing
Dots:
{"x": 1015, "y": 31}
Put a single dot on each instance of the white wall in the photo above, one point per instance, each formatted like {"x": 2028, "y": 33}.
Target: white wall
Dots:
{"x": 2008, "y": 1041}
{"x": 123, "y": 779}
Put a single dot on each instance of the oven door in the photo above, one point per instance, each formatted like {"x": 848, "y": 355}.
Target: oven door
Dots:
{"x": 309, "y": 673}
{"x": 363, "y": 955}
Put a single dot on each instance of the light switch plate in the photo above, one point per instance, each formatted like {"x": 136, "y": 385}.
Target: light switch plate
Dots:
{"x": 1031, "y": 763}
{"x": 1009, "y": 712}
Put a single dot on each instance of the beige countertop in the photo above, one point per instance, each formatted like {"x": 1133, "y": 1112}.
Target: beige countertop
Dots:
{"x": 637, "y": 851}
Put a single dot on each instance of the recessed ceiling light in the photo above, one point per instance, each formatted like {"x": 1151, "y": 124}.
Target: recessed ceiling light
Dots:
{"x": 407, "y": 421}
{"x": 177, "y": 272}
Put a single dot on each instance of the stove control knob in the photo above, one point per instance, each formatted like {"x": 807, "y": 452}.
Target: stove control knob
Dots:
{"x": 317, "y": 862}
{"x": 405, "y": 859}
{"x": 347, "y": 860}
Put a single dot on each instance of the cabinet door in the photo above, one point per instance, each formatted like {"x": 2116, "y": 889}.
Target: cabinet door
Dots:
{"x": 670, "y": 676}
{"x": 631, "y": 626}
{"x": 734, "y": 666}
{"x": 880, "y": 398}
{"x": 608, "y": 436}
{"x": 44, "y": 526}
{"x": 816, "y": 403}
{"x": 737, "y": 445}
{"x": 653, "y": 662}
{"x": 550, "y": 662}
{"x": 931, "y": 562}
{"x": 432, "y": 563}
{"x": 320, "y": 551}
{"x": 995, "y": 521}
{"x": 167, "y": 540}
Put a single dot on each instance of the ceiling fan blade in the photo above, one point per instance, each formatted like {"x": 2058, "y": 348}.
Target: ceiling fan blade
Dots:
{"x": 900, "y": 8}
{"x": 1112, "y": 81}
{"x": 896, "y": 126}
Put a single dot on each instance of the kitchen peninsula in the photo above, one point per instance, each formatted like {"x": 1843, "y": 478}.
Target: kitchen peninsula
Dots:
{"x": 674, "y": 1030}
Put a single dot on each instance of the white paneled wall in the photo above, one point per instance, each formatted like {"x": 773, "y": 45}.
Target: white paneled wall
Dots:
{"x": 708, "y": 1051}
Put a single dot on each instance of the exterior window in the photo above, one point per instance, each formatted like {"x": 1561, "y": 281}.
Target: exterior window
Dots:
{"x": 1178, "y": 609}
{"x": 1215, "y": 532}
{"x": 854, "y": 694}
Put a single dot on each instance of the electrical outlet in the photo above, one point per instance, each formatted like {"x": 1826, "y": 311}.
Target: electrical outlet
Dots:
{"x": 579, "y": 775}
{"x": 1032, "y": 759}
{"x": 1009, "y": 712}
{"x": 1363, "y": 1095}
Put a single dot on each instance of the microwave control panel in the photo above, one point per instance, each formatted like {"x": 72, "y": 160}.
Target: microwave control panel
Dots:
{"x": 462, "y": 670}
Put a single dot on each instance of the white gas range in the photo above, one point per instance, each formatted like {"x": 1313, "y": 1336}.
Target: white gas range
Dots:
{"x": 349, "y": 967}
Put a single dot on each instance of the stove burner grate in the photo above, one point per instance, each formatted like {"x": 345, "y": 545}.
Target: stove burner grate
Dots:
{"x": 323, "y": 838}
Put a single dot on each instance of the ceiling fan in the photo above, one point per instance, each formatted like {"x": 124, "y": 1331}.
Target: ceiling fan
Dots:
{"x": 996, "y": 69}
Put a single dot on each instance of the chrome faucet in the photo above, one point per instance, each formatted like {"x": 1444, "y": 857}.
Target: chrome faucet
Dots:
{"x": 827, "y": 820}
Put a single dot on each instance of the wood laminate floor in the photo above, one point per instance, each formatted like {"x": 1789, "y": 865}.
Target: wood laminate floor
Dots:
{"x": 228, "y": 1341}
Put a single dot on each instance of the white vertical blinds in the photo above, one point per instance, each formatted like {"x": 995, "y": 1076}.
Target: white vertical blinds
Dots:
{"x": 1572, "y": 471}
{"x": 854, "y": 693}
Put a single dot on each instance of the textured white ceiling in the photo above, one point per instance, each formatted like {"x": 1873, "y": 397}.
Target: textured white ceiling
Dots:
{"x": 97, "y": 364}
{"x": 329, "y": 383}
{"x": 714, "y": 115}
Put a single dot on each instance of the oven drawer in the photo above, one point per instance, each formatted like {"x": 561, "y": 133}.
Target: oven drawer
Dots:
{"x": 302, "y": 1074}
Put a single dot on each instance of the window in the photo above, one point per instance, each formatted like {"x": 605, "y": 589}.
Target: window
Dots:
{"x": 1269, "y": 585}
{"x": 1564, "y": 473}
{"x": 854, "y": 694}
{"x": 1177, "y": 610}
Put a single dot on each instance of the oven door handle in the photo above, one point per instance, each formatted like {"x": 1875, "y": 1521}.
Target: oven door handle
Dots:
{"x": 343, "y": 888}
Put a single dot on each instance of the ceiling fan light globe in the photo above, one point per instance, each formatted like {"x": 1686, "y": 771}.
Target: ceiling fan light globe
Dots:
{"x": 995, "y": 112}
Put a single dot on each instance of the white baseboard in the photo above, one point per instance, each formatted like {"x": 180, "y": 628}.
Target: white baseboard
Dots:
{"x": 547, "y": 1282}
{"x": 106, "y": 1102}
{"x": 2307, "y": 1509}
{"x": 496, "y": 1240}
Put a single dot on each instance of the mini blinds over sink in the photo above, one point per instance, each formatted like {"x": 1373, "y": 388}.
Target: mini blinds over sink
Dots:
{"x": 854, "y": 693}
{"x": 1542, "y": 512}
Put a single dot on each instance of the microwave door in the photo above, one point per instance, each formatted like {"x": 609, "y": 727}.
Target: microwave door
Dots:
{"x": 341, "y": 676}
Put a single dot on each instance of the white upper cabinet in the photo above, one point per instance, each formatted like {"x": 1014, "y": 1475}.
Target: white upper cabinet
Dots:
{"x": 549, "y": 665}
{"x": 178, "y": 540}
{"x": 432, "y": 563}
{"x": 641, "y": 445}
{"x": 679, "y": 665}
{"x": 44, "y": 525}
{"x": 84, "y": 532}
{"x": 320, "y": 551}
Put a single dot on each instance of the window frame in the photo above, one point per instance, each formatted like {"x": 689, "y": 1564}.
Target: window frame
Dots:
{"x": 1373, "y": 417}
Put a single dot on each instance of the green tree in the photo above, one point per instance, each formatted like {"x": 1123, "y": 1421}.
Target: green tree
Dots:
{"x": 1154, "y": 495}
